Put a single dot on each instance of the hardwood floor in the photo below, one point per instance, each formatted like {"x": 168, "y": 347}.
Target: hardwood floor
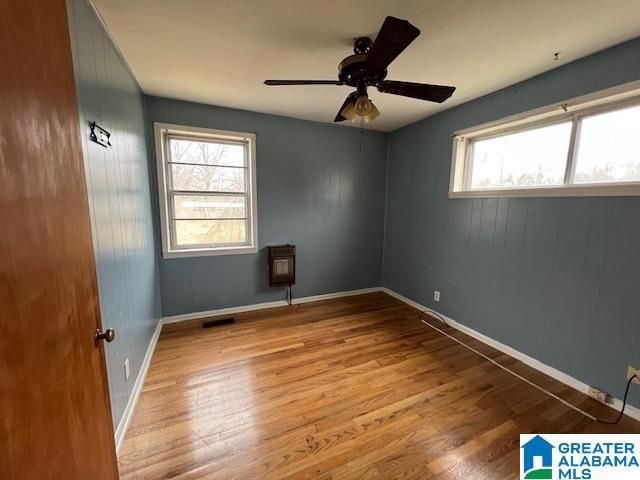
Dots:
{"x": 353, "y": 388}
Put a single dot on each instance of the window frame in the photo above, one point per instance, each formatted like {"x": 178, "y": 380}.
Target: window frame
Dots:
{"x": 163, "y": 132}
{"x": 574, "y": 110}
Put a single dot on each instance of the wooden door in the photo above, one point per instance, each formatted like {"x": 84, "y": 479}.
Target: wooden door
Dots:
{"x": 55, "y": 419}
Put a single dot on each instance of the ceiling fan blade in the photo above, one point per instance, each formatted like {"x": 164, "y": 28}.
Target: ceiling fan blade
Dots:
{"x": 302, "y": 82}
{"x": 394, "y": 36}
{"x": 339, "y": 116}
{"x": 422, "y": 91}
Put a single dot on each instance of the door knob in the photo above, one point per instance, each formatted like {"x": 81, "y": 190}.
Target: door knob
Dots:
{"x": 109, "y": 334}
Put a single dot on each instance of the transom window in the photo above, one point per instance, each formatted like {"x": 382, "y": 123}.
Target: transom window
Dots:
{"x": 207, "y": 189}
{"x": 582, "y": 147}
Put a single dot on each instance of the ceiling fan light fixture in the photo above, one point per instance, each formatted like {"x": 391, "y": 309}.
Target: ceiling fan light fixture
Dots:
{"x": 365, "y": 109}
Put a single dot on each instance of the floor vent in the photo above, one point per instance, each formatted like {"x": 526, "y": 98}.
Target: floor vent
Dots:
{"x": 218, "y": 323}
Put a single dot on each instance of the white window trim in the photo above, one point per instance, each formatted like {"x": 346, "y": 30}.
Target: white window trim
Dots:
{"x": 610, "y": 99}
{"x": 162, "y": 129}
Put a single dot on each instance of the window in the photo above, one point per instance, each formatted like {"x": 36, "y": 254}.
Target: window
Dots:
{"x": 581, "y": 147}
{"x": 528, "y": 158}
{"x": 207, "y": 191}
{"x": 605, "y": 150}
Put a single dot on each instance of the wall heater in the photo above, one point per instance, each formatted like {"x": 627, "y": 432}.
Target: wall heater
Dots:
{"x": 282, "y": 267}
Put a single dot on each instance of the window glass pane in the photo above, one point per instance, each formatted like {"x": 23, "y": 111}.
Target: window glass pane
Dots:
{"x": 210, "y": 232}
{"x": 207, "y": 178}
{"x": 606, "y": 148}
{"x": 209, "y": 206}
{"x": 209, "y": 153}
{"x": 531, "y": 158}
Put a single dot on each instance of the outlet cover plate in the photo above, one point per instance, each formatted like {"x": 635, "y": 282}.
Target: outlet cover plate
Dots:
{"x": 127, "y": 372}
{"x": 436, "y": 295}
{"x": 633, "y": 371}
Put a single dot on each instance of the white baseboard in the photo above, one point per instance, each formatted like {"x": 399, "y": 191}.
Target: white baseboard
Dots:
{"x": 260, "y": 306}
{"x": 558, "y": 375}
{"x": 221, "y": 311}
{"x": 123, "y": 425}
{"x": 328, "y": 296}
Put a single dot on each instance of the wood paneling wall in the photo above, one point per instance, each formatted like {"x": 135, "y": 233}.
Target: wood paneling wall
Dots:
{"x": 556, "y": 278}
{"x": 119, "y": 198}
{"x": 320, "y": 187}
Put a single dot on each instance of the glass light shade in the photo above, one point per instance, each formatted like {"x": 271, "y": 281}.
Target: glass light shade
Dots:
{"x": 349, "y": 112}
{"x": 363, "y": 105}
{"x": 373, "y": 114}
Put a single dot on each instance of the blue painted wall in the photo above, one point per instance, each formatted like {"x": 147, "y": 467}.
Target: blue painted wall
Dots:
{"x": 316, "y": 190}
{"x": 119, "y": 199}
{"x": 558, "y": 279}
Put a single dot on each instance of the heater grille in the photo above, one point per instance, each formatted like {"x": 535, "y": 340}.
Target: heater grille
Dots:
{"x": 282, "y": 265}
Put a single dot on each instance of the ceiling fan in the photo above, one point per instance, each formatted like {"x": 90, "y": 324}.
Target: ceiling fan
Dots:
{"x": 367, "y": 67}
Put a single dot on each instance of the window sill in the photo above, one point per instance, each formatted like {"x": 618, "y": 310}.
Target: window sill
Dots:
{"x": 209, "y": 252}
{"x": 617, "y": 190}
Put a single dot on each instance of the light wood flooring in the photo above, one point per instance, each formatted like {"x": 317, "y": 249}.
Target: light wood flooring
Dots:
{"x": 351, "y": 388}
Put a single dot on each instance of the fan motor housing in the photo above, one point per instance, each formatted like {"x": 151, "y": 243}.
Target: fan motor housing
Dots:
{"x": 353, "y": 70}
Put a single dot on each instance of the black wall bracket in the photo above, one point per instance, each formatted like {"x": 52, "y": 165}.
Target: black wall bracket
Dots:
{"x": 99, "y": 135}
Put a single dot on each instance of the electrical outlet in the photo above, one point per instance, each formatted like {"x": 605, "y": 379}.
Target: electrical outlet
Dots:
{"x": 599, "y": 395}
{"x": 633, "y": 371}
{"x": 127, "y": 372}
{"x": 436, "y": 295}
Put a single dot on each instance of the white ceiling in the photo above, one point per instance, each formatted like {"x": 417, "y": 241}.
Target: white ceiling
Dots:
{"x": 220, "y": 51}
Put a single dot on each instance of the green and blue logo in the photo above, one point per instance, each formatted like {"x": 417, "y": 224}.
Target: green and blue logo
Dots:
{"x": 580, "y": 457}
{"x": 537, "y": 459}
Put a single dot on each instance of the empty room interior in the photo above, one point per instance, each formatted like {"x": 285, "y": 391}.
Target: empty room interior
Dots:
{"x": 278, "y": 239}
